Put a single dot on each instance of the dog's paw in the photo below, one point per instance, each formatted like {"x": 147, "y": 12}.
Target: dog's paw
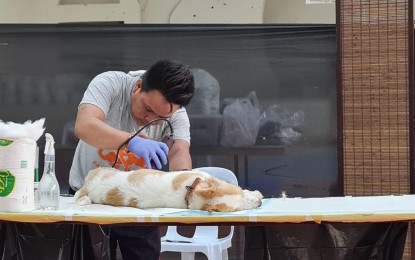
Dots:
{"x": 258, "y": 194}
{"x": 255, "y": 194}
{"x": 84, "y": 200}
{"x": 251, "y": 199}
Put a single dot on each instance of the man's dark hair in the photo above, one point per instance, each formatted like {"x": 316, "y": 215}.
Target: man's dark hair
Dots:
{"x": 172, "y": 78}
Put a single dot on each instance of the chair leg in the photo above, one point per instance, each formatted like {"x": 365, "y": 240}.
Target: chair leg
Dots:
{"x": 214, "y": 253}
{"x": 188, "y": 255}
{"x": 225, "y": 254}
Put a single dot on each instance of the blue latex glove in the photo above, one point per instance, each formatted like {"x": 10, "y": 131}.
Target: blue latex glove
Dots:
{"x": 149, "y": 150}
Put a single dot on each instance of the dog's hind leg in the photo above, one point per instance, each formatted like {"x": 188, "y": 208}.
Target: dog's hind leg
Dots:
{"x": 81, "y": 197}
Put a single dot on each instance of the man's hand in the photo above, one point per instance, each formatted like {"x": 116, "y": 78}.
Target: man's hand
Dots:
{"x": 149, "y": 150}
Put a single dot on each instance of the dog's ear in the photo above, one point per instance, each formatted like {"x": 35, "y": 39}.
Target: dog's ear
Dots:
{"x": 211, "y": 208}
{"x": 207, "y": 193}
{"x": 221, "y": 207}
{"x": 206, "y": 189}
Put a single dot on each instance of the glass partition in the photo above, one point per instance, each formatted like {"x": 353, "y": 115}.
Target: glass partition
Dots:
{"x": 265, "y": 103}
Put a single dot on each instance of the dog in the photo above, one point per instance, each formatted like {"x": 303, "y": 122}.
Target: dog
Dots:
{"x": 148, "y": 188}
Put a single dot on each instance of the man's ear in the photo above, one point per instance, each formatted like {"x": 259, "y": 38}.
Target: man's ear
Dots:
{"x": 137, "y": 85}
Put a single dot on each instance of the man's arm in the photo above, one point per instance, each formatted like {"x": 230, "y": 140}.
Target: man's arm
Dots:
{"x": 179, "y": 156}
{"x": 91, "y": 128}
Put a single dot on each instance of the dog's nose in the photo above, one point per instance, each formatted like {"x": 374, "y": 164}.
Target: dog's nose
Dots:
{"x": 259, "y": 203}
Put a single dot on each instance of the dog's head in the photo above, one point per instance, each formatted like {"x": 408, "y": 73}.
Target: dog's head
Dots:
{"x": 212, "y": 194}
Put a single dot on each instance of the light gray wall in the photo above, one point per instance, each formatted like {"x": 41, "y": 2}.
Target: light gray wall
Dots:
{"x": 166, "y": 11}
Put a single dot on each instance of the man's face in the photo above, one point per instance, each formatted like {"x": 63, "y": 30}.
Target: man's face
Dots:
{"x": 147, "y": 106}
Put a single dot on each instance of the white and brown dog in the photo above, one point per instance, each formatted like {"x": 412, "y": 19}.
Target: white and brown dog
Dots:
{"x": 147, "y": 188}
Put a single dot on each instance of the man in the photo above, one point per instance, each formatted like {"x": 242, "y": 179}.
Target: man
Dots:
{"x": 114, "y": 106}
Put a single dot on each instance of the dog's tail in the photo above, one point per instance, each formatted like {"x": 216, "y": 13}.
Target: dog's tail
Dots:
{"x": 81, "y": 197}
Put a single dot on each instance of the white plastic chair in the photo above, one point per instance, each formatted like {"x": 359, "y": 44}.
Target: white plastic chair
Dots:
{"x": 205, "y": 238}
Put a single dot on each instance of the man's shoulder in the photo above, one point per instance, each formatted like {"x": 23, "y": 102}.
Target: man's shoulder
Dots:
{"x": 112, "y": 74}
{"x": 181, "y": 112}
{"x": 113, "y": 79}
{"x": 180, "y": 117}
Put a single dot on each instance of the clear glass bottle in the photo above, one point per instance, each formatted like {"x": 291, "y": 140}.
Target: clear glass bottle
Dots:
{"x": 36, "y": 179}
{"x": 48, "y": 189}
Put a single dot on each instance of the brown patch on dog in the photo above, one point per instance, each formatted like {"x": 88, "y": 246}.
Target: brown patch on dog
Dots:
{"x": 82, "y": 192}
{"x": 133, "y": 202}
{"x": 229, "y": 189}
{"x": 137, "y": 176}
{"x": 93, "y": 173}
{"x": 217, "y": 208}
{"x": 114, "y": 197}
{"x": 179, "y": 180}
{"x": 108, "y": 175}
{"x": 211, "y": 188}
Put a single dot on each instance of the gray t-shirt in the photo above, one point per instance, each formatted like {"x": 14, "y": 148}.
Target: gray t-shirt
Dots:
{"x": 111, "y": 91}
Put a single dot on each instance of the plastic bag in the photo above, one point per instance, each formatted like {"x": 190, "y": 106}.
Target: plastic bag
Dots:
{"x": 279, "y": 125}
{"x": 53, "y": 241}
{"x": 240, "y": 121}
{"x": 340, "y": 241}
{"x": 206, "y": 97}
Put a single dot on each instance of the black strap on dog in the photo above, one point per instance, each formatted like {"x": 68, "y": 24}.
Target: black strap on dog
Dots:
{"x": 190, "y": 190}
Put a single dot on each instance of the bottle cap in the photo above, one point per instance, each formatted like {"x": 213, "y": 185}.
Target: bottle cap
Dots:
{"x": 49, "y": 146}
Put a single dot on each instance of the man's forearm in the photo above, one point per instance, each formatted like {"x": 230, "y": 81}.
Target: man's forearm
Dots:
{"x": 181, "y": 164}
{"x": 98, "y": 134}
{"x": 179, "y": 157}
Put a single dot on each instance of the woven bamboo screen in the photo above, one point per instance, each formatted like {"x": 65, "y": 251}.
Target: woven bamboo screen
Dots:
{"x": 375, "y": 87}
